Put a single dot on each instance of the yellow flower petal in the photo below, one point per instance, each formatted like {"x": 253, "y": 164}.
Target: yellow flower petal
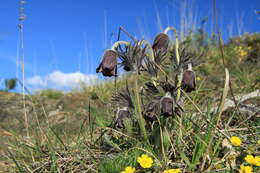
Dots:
{"x": 257, "y": 160}
{"x": 172, "y": 171}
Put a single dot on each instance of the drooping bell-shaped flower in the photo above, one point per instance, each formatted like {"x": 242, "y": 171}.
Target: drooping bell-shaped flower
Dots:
{"x": 189, "y": 80}
{"x": 108, "y": 65}
{"x": 161, "y": 42}
{"x": 167, "y": 106}
{"x": 122, "y": 114}
{"x": 152, "y": 110}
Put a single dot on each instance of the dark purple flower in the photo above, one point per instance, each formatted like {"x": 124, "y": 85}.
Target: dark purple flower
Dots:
{"x": 108, "y": 65}
{"x": 167, "y": 107}
{"x": 127, "y": 68}
{"x": 161, "y": 42}
{"x": 122, "y": 114}
{"x": 152, "y": 110}
{"x": 189, "y": 81}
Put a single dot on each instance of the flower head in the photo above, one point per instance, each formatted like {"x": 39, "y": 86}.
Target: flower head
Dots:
{"x": 245, "y": 169}
{"x": 172, "y": 171}
{"x": 250, "y": 159}
{"x": 253, "y": 160}
{"x": 166, "y": 104}
{"x": 152, "y": 109}
{"x": 189, "y": 81}
{"x": 122, "y": 114}
{"x": 108, "y": 65}
{"x": 236, "y": 141}
{"x": 145, "y": 161}
{"x": 129, "y": 169}
{"x": 161, "y": 42}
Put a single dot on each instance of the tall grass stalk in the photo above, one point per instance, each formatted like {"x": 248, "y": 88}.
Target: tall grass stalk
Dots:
{"x": 220, "y": 110}
{"x": 21, "y": 52}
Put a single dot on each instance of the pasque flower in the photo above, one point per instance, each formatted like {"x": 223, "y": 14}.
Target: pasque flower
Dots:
{"x": 161, "y": 42}
{"x": 166, "y": 105}
{"x": 122, "y": 114}
{"x": 145, "y": 161}
{"x": 108, "y": 65}
{"x": 189, "y": 81}
{"x": 152, "y": 110}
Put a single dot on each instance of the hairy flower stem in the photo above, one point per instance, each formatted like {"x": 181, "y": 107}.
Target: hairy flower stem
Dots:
{"x": 190, "y": 66}
{"x": 140, "y": 118}
{"x": 118, "y": 43}
{"x": 180, "y": 76}
{"x": 148, "y": 45}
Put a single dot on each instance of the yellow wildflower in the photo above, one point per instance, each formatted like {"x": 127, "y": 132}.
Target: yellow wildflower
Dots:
{"x": 172, "y": 171}
{"x": 236, "y": 141}
{"x": 145, "y": 161}
{"x": 128, "y": 169}
{"x": 245, "y": 169}
{"x": 250, "y": 159}
{"x": 243, "y": 53}
{"x": 258, "y": 142}
{"x": 253, "y": 160}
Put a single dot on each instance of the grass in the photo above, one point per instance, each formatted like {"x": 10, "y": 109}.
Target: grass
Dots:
{"x": 79, "y": 136}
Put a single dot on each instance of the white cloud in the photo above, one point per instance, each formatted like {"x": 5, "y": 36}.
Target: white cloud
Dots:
{"x": 60, "y": 80}
{"x": 36, "y": 80}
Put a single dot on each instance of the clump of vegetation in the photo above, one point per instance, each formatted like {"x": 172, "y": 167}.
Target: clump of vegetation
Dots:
{"x": 50, "y": 93}
{"x": 167, "y": 115}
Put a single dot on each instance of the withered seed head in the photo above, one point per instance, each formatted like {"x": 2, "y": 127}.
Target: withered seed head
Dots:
{"x": 161, "y": 42}
{"x": 108, "y": 65}
{"x": 189, "y": 81}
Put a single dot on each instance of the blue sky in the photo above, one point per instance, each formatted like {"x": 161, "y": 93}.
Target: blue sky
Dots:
{"x": 64, "y": 39}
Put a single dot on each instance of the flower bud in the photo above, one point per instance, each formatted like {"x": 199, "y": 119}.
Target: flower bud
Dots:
{"x": 108, "y": 65}
{"x": 189, "y": 81}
